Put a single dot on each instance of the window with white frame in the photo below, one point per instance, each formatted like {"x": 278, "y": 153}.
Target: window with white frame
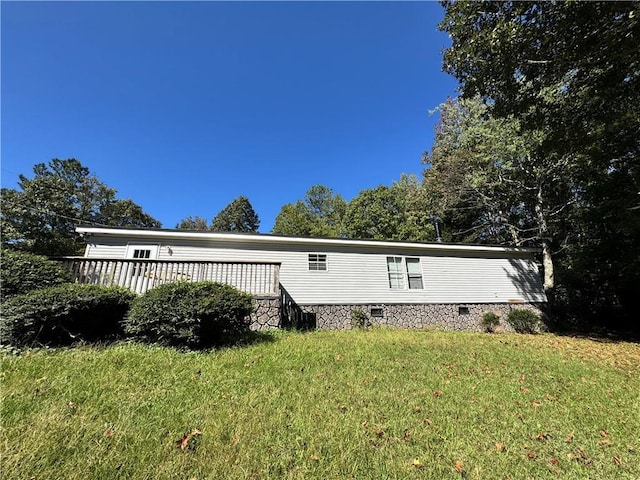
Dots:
{"x": 404, "y": 272}
{"x": 317, "y": 261}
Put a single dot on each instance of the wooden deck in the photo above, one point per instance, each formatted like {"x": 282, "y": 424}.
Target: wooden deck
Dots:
{"x": 138, "y": 275}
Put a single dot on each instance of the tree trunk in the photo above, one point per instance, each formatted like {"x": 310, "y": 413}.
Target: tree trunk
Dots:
{"x": 547, "y": 255}
{"x": 547, "y": 265}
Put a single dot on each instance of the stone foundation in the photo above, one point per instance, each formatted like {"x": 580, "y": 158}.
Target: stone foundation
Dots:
{"x": 266, "y": 313}
{"x": 466, "y": 316}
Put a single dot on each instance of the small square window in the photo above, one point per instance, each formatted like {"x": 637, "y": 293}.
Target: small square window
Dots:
{"x": 317, "y": 261}
{"x": 463, "y": 310}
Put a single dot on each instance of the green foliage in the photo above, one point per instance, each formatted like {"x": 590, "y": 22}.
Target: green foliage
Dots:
{"x": 42, "y": 214}
{"x": 567, "y": 73}
{"x": 321, "y": 214}
{"x": 193, "y": 223}
{"x": 474, "y": 180}
{"x": 63, "y": 315}
{"x": 126, "y": 213}
{"x": 359, "y": 318}
{"x": 190, "y": 315}
{"x": 22, "y": 272}
{"x": 490, "y": 321}
{"x": 238, "y": 216}
{"x": 389, "y": 213}
{"x": 524, "y": 321}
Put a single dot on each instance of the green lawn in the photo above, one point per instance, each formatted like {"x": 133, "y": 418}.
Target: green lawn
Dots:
{"x": 328, "y": 405}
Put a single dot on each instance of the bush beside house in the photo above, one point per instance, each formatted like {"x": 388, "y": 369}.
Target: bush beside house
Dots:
{"x": 194, "y": 315}
{"x": 23, "y": 272}
{"x": 64, "y": 315}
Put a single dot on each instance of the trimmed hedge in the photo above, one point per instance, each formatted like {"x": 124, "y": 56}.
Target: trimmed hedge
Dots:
{"x": 524, "y": 321}
{"x": 194, "y": 315}
{"x": 64, "y": 315}
{"x": 23, "y": 272}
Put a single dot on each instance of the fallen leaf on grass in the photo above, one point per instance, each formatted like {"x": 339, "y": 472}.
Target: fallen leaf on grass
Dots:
{"x": 569, "y": 438}
{"x": 342, "y": 408}
{"x": 427, "y": 421}
{"x": 416, "y": 408}
{"x": 458, "y": 466}
{"x": 314, "y": 458}
{"x": 535, "y": 404}
{"x": 406, "y": 436}
{"x": 339, "y": 358}
{"x": 617, "y": 460}
{"x": 554, "y": 461}
{"x": 500, "y": 447}
{"x": 532, "y": 455}
{"x": 417, "y": 463}
{"x": 604, "y": 442}
{"x": 108, "y": 433}
{"x": 378, "y": 432}
{"x": 604, "y": 433}
{"x": 437, "y": 393}
{"x": 184, "y": 441}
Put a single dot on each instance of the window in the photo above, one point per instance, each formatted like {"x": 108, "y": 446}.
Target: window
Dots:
{"x": 404, "y": 271}
{"x": 376, "y": 312}
{"x": 317, "y": 261}
{"x": 414, "y": 273}
{"x": 396, "y": 274}
{"x": 141, "y": 253}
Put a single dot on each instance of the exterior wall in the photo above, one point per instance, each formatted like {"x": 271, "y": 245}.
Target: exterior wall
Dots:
{"x": 358, "y": 274}
{"x": 443, "y": 316}
{"x": 266, "y": 314}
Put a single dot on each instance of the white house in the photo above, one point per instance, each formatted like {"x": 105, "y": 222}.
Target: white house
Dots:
{"x": 394, "y": 283}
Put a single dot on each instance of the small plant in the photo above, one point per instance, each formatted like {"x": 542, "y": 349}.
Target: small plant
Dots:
{"x": 524, "y": 321}
{"x": 490, "y": 321}
{"x": 64, "y": 315}
{"x": 23, "y": 272}
{"x": 193, "y": 315}
{"x": 359, "y": 319}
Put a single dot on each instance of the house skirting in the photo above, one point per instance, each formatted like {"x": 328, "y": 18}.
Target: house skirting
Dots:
{"x": 266, "y": 313}
{"x": 459, "y": 316}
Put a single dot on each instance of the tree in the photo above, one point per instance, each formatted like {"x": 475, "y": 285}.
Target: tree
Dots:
{"x": 568, "y": 73}
{"x": 126, "y": 213}
{"x": 389, "y": 213}
{"x": 193, "y": 223}
{"x": 41, "y": 215}
{"x": 238, "y": 216}
{"x": 319, "y": 215}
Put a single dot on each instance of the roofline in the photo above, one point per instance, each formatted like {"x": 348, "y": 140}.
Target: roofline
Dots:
{"x": 269, "y": 238}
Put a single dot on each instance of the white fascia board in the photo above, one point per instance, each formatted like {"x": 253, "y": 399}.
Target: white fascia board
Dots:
{"x": 275, "y": 239}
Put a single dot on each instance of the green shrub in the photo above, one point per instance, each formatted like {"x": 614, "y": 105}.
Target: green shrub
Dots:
{"x": 524, "y": 321}
{"x": 360, "y": 319}
{"x": 490, "y": 321}
{"x": 63, "y": 315}
{"x": 194, "y": 315}
{"x": 23, "y": 272}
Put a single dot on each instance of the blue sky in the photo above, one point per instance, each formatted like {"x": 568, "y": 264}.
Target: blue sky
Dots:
{"x": 185, "y": 106}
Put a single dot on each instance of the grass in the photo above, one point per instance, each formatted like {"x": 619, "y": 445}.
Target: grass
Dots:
{"x": 328, "y": 405}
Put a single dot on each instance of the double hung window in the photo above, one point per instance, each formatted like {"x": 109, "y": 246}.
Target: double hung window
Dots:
{"x": 404, "y": 272}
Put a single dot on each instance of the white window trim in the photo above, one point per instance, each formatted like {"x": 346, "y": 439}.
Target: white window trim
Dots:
{"x": 132, "y": 247}
{"x": 405, "y": 274}
{"x": 318, "y": 262}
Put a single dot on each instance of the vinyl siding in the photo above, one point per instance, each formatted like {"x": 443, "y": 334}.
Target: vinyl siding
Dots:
{"x": 359, "y": 274}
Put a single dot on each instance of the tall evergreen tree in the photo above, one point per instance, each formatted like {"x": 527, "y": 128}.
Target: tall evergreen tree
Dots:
{"x": 238, "y": 216}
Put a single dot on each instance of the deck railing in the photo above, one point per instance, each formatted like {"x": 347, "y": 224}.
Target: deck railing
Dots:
{"x": 138, "y": 275}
